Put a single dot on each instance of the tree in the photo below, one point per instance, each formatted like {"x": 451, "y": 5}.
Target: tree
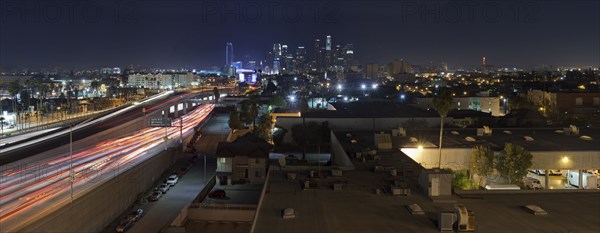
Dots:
{"x": 271, "y": 87}
{"x": 95, "y": 85}
{"x": 277, "y": 102}
{"x": 443, "y": 104}
{"x": 1, "y": 125}
{"x": 264, "y": 128}
{"x": 250, "y": 110}
{"x": 279, "y": 134}
{"x": 13, "y": 89}
{"x": 311, "y": 134}
{"x": 216, "y": 93}
{"x": 482, "y": 161}
{"x": 513, "y": 162}
{"x": 303, "y": 105}
{"x": 234, "y": 120}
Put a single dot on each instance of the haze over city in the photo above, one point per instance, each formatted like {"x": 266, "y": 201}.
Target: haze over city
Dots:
{"x": 299, "y": 116}
{"x": 190, "y": 34}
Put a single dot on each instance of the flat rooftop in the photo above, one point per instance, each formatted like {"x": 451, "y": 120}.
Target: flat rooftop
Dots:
{"x": 371, "y": 109}
{"x": 544, "y": 139}
{"x": 358, "y": 209}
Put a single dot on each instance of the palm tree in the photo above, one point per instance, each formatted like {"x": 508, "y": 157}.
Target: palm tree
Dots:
{"x": 1, "y": 125}
{"x": 14, "y": 88}
{"x": 443, "y": 104}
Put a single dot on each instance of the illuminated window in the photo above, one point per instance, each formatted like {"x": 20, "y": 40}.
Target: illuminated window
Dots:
{"x": 578, "y": 101}
{"x": 222, "y": 160}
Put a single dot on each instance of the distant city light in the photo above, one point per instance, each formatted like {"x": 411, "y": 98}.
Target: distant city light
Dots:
{"x": 363, "y": 86}
{"x": 339, "y": 87}
{"x": 292, "y": 98}
{"x": 374, "y": 86}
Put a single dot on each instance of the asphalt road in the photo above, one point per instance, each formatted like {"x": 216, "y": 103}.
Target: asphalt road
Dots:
{"x": 159, "y": 214}
{"x": 134, "y": 113}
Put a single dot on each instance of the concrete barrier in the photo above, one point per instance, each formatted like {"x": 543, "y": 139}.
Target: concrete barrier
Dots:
{"x": 97, "y": 208}
{"x": 233, "y": 213}
{"x": 523, "y": 191}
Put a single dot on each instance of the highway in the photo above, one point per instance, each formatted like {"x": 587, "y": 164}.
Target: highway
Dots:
{"x": 153, "y": 105}
{"x": 28, "y": 192}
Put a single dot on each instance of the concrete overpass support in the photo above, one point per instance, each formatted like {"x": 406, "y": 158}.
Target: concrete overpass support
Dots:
{"x": 547, "y": 176}
{"x": 580, "y": 178}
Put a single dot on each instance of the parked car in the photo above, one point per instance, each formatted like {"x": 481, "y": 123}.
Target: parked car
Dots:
{"x": 532, "y": 183}
{"x": 164, "y": 188}
{"x": 136, "y": 215}
{"x": 538, "y": 172}
{"x": 172, "y": 180}
{"x": 555, "y": 173}
{"x": 156, "y": 195}
{"x": 124, "y": 225}
{"x": 217, "y": 193}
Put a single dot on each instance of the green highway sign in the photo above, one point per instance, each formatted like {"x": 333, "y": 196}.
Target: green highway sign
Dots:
{"x": 160, "y": 122}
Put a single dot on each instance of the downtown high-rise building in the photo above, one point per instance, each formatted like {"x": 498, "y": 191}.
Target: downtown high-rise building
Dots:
{"x": 228, "y": 54}
{"x": 276, "y": 58}
{"x": 300, "y": 60}
{"x": 318, "y": 56}
{"x": 328, "y": 56}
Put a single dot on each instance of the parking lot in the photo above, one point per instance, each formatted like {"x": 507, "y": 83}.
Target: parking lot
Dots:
{"x": 556, "y": 179}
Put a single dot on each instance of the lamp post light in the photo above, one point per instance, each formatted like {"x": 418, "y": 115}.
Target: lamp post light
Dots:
{"x": 71, "y": 173}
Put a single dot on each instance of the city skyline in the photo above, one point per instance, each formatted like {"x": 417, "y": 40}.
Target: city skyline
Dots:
{"x": 192, "y": 34}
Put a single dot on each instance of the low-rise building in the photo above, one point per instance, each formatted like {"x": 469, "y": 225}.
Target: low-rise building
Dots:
{"x": 161, "y": 80}
{"x": 243, "y": 160}
{"x": 478, "y": 103}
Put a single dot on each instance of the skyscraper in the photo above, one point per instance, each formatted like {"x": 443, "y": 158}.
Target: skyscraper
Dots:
{"x": 228, "y": 54}
{"x": 328, "y": 43}
{"x": 318, "y": 60}
{"x": 276, "y": 58}
{"x": 348, "y": 54}
{"x": 300, "y": 58}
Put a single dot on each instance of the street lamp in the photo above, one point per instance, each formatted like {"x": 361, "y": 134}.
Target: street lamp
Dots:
{"x": 71, "y": 173}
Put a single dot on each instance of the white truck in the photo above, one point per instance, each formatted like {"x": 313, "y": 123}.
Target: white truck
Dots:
{"x": 532, "y": 183}
{"x": 590, "y": 181}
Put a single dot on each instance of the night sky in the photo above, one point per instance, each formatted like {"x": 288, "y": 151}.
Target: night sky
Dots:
{"x": 193, "y": 34}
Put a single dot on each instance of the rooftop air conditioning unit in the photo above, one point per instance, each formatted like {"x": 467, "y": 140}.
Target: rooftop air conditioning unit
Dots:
{"x": 446, "y": 221}
{"x": 574, "y": 130}
{"x": 487, "y": 130}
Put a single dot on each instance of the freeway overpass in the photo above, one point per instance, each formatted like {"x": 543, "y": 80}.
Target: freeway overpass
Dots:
{"x": 171, "y": 103}
{"x": 48, "y": 182}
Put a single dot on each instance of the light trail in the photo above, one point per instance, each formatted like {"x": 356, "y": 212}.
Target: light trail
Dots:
{"x": 31, "y": 188}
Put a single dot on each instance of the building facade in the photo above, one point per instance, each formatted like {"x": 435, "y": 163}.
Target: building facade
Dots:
{"x": 483, "y": 104}
{"x": 243, "y": 160}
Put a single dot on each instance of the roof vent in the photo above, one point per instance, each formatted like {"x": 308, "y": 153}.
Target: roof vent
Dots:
{"x": 507, "y": 132}
{"x": 454, "y": 132}
{"x": 470, "y": 139}
{"x": 559, "y": 131}
{"x": 529, "y": 139}
{"x": 586, "y": 138}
